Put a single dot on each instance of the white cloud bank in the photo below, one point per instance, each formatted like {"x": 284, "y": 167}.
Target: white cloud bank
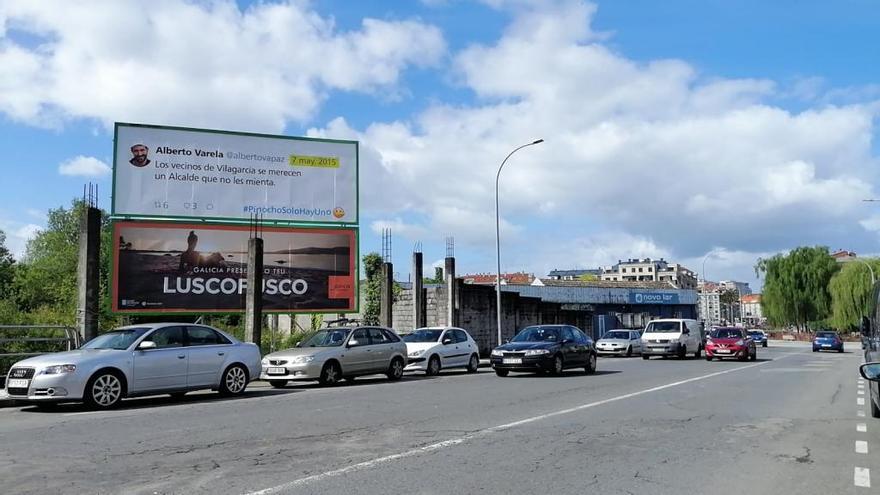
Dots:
{"x": 86, "y": 166}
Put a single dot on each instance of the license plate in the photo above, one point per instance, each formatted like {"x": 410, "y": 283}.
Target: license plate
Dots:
{"x": 277, "y": 371}
{"x": 17, "y": 383}
{"x": 512, "y": 361}
{"x": 722, "y": 351}
{"x": 826, "y": 345}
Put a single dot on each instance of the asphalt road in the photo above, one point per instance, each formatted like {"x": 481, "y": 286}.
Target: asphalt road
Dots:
{"x": 788, "y": 423}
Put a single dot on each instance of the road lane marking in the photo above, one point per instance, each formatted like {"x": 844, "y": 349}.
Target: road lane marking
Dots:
{"x": 862, "y": 477}
{"x": 861, "y": 447}
{"x": 487, "y": 431}
{"x": 860, "y": 401}
{"x": 861, "y": 427}
{"x": 861, "y": 392}
{"x": 860, "y": 414}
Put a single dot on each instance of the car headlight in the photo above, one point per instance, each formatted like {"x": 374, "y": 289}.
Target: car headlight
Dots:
{"x": 497, "y": 352}
{"x": 59, "y": 369}
{"x": 740, "y": 342}
{"x": 416, "y": 353}
{"x": 302, "y": 359}
{"x": 536, "y": 352}
{"x": 265, "y": 361}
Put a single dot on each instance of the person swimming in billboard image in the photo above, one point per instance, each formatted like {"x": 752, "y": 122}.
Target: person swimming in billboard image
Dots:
{"x": 192, "y": 258}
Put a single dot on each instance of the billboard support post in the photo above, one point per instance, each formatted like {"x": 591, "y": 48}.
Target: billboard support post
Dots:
{"x": 254, "y": 305}
{"x": 449, "y": 272}
{"x": 386, "y": 299}
{"x": 419, "y": 317}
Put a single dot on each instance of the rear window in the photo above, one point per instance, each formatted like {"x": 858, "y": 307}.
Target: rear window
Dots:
{"x": 826, "y": 335}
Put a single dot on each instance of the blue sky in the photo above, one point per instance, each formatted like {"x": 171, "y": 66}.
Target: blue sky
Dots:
{"x": 673, "y": 129}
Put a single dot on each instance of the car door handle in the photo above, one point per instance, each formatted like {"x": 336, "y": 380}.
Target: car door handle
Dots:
{"x": 221, "y": 353}
{"x": 181, "y": 356}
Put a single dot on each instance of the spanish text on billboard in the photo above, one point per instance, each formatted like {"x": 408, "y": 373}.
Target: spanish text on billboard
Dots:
{"x": 193, "y": 173}
{"x": 174, "y": 267}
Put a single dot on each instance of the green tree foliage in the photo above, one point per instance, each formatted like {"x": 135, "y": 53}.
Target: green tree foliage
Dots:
{"x": 438, "y": 276}
{"x": 373, "y": 272}
{"x": 851, "y": 293}
{"x": 7, "y": 269}
{"x": 796, "y": 286}
{"x": 588, "y": 277}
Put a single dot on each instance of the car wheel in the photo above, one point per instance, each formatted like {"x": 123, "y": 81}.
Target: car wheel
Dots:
{"x": 233, "y": 381}
{"x": 557, "y": 365}
{"x": 764, "y": 344}
{"x": 473, "y": 364}
{"x": 104, "y": 390}
{"x": 682, "y": 352}
{"x": 875, "y": 411}
{"x": 395, "y": 369}
{"x": 330, "y": 374}
{"x": 646, "y": 357}
{"x": 754, "y": 356}
{"x": 501, "y": 372}
{"x": 708, "y": 357}
{"x": 699, "y": 351}
{"x": 629, "y": 351}
{"x": 591, "y": 364}
{"x": 278, "y": 383}
{"x": 815, "y": 350}
{"x": 177, "y": 395}
{"x": 433, "y": 368}
{"x": 841, "y": 349}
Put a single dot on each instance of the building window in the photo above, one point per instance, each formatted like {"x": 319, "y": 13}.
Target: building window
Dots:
{"x": 640, "y": 269}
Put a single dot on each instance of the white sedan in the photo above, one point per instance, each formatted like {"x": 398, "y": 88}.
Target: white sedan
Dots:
{"x": 435, "y": 348}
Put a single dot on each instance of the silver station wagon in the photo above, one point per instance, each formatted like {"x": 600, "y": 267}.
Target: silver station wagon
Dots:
{"x": 149, "y": 359}
{"x": 336, "y": 353}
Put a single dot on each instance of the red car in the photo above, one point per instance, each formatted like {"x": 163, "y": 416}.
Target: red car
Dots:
{"x": 730, "y": 342}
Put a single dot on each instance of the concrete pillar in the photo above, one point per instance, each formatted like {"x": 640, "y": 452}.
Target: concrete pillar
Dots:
{"x": 419, "y": 316}
{"x": 423, "y": 311}
{"x": 253, "y": 315}
{"x": 386, "y": 298}
{"x": 88, "y": 273}
{"x": 451, "y": 292}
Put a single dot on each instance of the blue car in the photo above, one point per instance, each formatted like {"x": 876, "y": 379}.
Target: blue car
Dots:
{"x": 827, "y": 341}
{"x": 759, "y": 337}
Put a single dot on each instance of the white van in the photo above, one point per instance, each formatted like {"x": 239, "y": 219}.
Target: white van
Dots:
{"x": 672, "y": 337}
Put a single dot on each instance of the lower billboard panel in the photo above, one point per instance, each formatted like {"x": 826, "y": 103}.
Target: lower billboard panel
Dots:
{"x": 197, "y": 268}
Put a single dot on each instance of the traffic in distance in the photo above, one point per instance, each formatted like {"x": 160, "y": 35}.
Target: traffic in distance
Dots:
{"x": 176, "y": 358}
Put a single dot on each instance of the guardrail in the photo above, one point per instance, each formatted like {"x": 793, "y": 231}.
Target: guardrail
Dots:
{"x": 21, "y": 341}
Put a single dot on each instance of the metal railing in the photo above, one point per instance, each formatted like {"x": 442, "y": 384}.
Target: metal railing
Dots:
{"x": 21, "y": 341}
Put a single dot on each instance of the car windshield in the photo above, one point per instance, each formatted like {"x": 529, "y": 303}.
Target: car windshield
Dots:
{"x": 663, "y": 327}
{"x": 756, "y": 334}
{"x": 333, "y": 337}
{"x": 538, "y": 334}
{"x": 119, "y": 339}
{"x": 826, "y": 335}
{"x": 726, "y": 333}
{"x": 423, "y": 335}
{"x": 616, "y": 335}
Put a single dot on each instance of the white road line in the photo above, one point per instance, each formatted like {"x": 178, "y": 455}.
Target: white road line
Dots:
{"x": 861, "y": 447}
{"x": 861, "y": 392}
{"x": 860, "y": 414}
{"x": 862, "y": 477}
{"x": 455, "y": 441}
{"x": 861, "y": 427}
{"x": 860, "y": 401}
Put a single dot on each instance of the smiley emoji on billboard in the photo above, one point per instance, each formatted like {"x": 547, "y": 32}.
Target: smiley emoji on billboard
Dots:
{"x": 338, "y": 212}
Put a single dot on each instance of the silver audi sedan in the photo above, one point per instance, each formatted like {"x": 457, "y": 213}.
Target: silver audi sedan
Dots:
{"x": 336, "y": 353}
{"x": 150, "y": 359}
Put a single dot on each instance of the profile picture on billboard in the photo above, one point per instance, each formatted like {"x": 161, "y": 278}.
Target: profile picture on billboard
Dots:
{"x": 139, "y": 155}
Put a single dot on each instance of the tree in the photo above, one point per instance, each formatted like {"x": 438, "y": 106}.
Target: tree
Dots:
{"x": 851, "y": 294}
{"x": 438, "y": 276}
{"x": 7, "y": 268}
{"x": 373, "y": 272}
{"x": 588, "y": 277}
{"x": 729, "y": 299}
{"x": 796, "y": 286}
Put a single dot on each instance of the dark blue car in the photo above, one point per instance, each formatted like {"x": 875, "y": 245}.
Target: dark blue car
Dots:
{"x": 827, "y": 341}
{"x": 759, "y": 337}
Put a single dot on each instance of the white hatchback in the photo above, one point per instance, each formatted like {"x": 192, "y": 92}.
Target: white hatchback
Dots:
{"x": 434, "y": 348}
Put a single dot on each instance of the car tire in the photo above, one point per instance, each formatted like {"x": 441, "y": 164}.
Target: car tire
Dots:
{"x": 646, "y": 357}
{"x": 501, "y": 373}
{"x": 629, "y": 351}
{"x": 330, "y": 374}
{"x": 433, "y": 368}
{"x": 473, "y": 364}
{"x": 841, "y": 349}
{"x": 177, "y": 395}
{"x": 682, "y": 352}
{"x": 815, "y": 350}
{"x": 104, "y": 390}
{"x": 395, "y": 369}
{"x": 764, "y": 344}
{"x": 558, "y": 365}
{"x": 708, "y": 357}
{"x": 754, "y": 356}
{"x": 699, "y": 351}
{"x": 234, "y": 381}
{"x": 875, "y": 411}
{"x": 278, "y": 383}
{"x": 591, "y": 364}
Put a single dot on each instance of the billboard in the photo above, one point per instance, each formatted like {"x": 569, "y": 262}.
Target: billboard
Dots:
{"x": 197, "y": 268}
{"x": 217, "y": 175}
{"x": 653, "y": 297}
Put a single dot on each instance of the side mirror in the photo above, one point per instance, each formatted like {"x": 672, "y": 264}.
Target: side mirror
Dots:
{"x": 447, "y": 341}
{"x": 686, "y": 331}
{"x": 147, "y": 344}
{"x": 871, "y": 371}
{"x": 865, "y": 326}
{"x": 506, "y": 341}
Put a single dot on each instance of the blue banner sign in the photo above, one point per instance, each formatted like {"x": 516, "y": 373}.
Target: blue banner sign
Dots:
{"x": 644, "y": 297}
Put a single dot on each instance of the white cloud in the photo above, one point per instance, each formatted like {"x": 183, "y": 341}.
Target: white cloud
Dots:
{"x": 195, "y": 63}
{"x": 85, "y": 166}
{"x": 17, "y": 235}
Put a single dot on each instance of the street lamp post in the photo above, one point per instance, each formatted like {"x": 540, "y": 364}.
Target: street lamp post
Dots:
{"x": 873, "y": 279}
{"x": 498, "y": 238}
